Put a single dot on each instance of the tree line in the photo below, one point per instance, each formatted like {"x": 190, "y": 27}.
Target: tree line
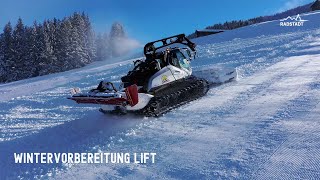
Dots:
{"x": 229, "y": 25}
{"x": 53, "y": 46}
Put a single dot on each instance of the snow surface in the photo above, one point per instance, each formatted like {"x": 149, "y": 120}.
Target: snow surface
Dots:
{"x": 264, "y": 126}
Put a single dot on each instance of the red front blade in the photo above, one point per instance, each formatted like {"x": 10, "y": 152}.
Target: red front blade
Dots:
{"x": 132, "y": 94}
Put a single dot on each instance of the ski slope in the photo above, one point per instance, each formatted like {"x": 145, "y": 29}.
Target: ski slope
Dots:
{"x": 266, "y": 125}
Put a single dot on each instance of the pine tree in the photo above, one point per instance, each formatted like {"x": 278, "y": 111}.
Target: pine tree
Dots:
{"x": 117, "y": 31}
{"x": 32, "y": 59}
{"x": 43, "y": 54}
{"x": 116, "y": 34}
{"x": 50, "y": 64}
{"x": 99, "y": 47}
{"x": 20, "y": 52}
{"x": 2, "y": 63}
{"x": 8, "y": 53}
{"x": 103, "y": 47}
{"x": 89, "y": 38}
{"x": 78, "y": 43}
{"x": 66, "y": 45}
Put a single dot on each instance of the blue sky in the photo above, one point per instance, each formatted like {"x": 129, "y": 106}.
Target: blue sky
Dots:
{"x": 145, "y": 20}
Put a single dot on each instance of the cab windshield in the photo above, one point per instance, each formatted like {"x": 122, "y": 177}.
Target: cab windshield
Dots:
{"x": 182, "y": 60}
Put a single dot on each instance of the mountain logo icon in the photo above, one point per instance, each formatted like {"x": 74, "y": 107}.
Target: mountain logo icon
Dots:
{"x": 292, "y": 21}
{"x": 297, "y": 18}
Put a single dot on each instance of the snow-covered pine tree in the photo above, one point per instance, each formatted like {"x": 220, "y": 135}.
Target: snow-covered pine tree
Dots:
{"x": 61, "y": 48}
{"x": 53, "y": 27}
{"x": 117, "y": 31}
{"x": 32, "y": 58}
{"x": 116, "y": 34}
{"x": 78, "y": 33}
{"x": 2, "y": 65}
{"x": 43, "y": 52}
{"x": 20, "y": 52}
{"x": 99, "y": 47}
{"x": 66, "y": 45}
{"x": 107, "y": 52}
{"x": 49, "y": 64}
{"x": 7, "y": 48}
{"x": 89, "y": 38}
{"x": 103, "y": 47}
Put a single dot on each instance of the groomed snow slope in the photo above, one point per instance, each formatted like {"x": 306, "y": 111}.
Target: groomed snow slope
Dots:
{"x": 264, "y": 126}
